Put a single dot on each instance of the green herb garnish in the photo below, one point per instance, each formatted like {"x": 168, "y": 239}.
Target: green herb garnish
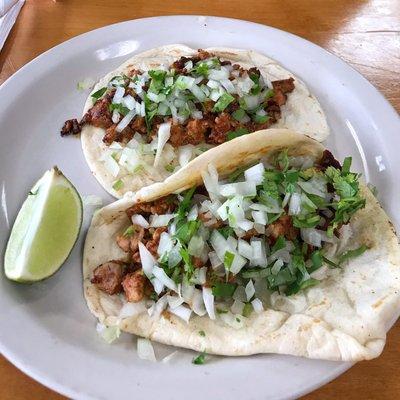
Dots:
{"x": 99, "y": 93}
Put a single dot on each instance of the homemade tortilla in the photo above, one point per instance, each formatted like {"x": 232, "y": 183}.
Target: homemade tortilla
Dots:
{"x": 302, "y": 112}
{"x": 344, "y": 318}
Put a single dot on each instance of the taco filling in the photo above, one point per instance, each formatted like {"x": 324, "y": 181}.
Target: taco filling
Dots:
{"x": 187, "y": 107}
{"x": 223, "y": 247}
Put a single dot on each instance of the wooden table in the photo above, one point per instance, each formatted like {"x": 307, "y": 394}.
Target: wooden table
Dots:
{"x": 366, "y": 34}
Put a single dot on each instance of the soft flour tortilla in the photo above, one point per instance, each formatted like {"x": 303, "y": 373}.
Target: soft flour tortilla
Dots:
{"x": 302, "y": 112}
{"x": 344, "y": 318}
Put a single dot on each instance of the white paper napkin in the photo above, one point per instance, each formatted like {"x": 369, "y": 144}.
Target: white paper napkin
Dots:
{"x": 9, "y": 10}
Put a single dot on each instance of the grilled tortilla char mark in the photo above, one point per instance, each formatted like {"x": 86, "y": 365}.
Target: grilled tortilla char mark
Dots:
{"x": 212, "y": 128}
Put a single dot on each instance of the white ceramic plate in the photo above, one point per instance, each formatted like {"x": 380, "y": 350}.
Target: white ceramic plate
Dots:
{"x": 46, "y": 329}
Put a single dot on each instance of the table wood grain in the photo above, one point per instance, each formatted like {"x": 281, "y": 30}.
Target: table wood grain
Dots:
{"x": 366, "y": 34}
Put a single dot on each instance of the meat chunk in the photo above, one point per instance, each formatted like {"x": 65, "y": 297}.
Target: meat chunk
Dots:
{"x": 223, "y": 124}
{"x": 99, "y": 115}
{"x": 197, "y": 262}
{"x": 152, "y": 244}
{"x": 131, "y": 243}
{"x": 71, "y": 127}
{"x": 328, "y": 160}
{"x": 164, "y": 205}
{"x": 196, "y": 130}
{"x": 111, "y": 134}
{"x": 283, "y": 226}
{"x": 134, "y": 286}
{"x": 249, "y": 234}
{"x": 177, "y": 135}
{"x": 108, "y": 276}
{"x": 139, "y": 125}
{"x": 281, "y": 88}
{"x": 207, "y": 218}
{"x": 284, "y": 85}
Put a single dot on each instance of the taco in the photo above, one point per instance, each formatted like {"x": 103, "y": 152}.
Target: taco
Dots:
{"x": 162, "y": 108}
{"x": 262, "y": 246}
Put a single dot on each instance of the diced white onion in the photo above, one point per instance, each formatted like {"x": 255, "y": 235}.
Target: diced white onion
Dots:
{"x": 165, "y": 244}
{"x": 237, "y": 264}
{"x": 112, "y": 166}
{"x": 196, "y": 246}
{"x": 164, "y": 132}
{"x": 214, "y": 260}
{"x": 259, "y": 253}
{"x": 182, "y": 312}
{"x": 245, "y": 249}
{"x": 125, "y": 121}
{"x": 251, "y": 101}
{"x": 255, "y": 174}
{"x": 145, "y": 350}
{"x": 259, "y": 217}
{"x": 208, "y": 299}
{"x": 129, "y": 102}
{"x": 218, "y": 75}
{"x": 174, "y": 301}
{"x": 185, "y": 154}
{"x": 170, "y": 357}
{"x": 277, "y": 266}
{"x": 295, "y": 204}
{"x": 249, "y": 289}
{"x": 237, "y": 307}
{"x": 240, "y": 294}
{"x": 228, "y": 85}
{"x": 160, "y": 220}
{"x": 138, "y": 219}
{"x": 196, "y": 114}
{"x": 257, "y": 305}
{"x": 118, "y": 95}
{"x": 198, "y": 303}
{"x": 193, "y": 213}
{"x": 160, "y": 274}
{"x": 115, "y": 117}
{"x": 238, "y": 189}
{"x": 147, "y": 260}
{"x": 314, "y": 186}
{"x": 198, "y": 93}
{"x": 199, "y": 276}
{"x": 132, "y": 309}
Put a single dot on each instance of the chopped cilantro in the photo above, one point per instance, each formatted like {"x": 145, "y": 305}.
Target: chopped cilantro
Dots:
{"x": 279, "y": 244}
{"x": 260, "y": 119}
{"x": 200, "y": 359}
{"x": 118, "y": 184}
{"x": 202, "y": 333}
{"x": 346, "y": 165}
{"x": 119, "y": 107}
{"x": 99, "y": 93}
{"x": 186, "y": 231}
{"x": 226, "y": 231}
{"x": 228, "y": 259}
{"x": 221, "y": 311}
{"x": 270, "y": 93}
{"x": 223, "y": 289}
{"x": 238, "y": 132}
{"x": 247, "y": 310}
{"x": 129, "y": 231}
{"x": 223, "y": 102}
{"x": 169, "y": 168}
{"x": 352, "y": 253}
{"x": 239, "y": 114}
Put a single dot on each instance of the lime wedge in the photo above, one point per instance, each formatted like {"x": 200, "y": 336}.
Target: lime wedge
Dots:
{"x": 45, "y": 230}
